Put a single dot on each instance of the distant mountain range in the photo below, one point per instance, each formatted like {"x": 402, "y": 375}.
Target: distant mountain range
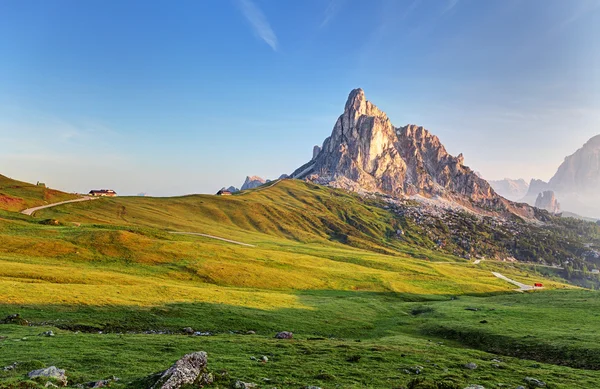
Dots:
{"x": 576, "y": 184}
{"x": 513, "y": 190}
{"x": 366, "y": 153}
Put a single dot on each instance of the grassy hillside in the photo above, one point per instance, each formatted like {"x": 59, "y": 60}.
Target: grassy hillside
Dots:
{"x": 366, "y": 305}
{"x": 17, "y": 195}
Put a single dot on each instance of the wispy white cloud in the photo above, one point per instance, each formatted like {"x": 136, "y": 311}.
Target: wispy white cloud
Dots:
{"x": 450, "y": 5}
{"x": 259, "y": 22}
{"x": 332, "y": 9}
{"x": 583, "y": 8}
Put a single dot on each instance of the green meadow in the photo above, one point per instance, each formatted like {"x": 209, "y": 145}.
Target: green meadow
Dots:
{"x": 368, "y": 309}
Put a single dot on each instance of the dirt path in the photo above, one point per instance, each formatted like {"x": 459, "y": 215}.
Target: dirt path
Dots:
{"x": 30, "y": 211}
{"x": 522, "y": 287}
{"x": 213, "y": 237}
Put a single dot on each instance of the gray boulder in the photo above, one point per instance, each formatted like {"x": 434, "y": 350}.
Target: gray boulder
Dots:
{"x": 190, "y": 369}
{"x": 244, "y": 385}
{"x": 535, "y": 382}
{"x": 471, "y": 366}
{"x": 284, "y": 335}
{"x": 50, "y": 372}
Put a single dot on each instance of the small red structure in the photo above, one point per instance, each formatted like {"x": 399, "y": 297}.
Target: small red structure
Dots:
{"x": 538, "y": 285}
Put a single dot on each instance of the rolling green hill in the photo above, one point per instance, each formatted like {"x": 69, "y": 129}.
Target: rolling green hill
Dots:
{"x": 17, "y": 195}
{"x": 366, "y": 304}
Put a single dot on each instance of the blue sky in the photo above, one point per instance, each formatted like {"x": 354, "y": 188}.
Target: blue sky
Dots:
{"x": 189, "y": 96}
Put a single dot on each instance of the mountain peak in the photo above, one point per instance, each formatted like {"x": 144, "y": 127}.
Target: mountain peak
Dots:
{"x": 365, "y": 152}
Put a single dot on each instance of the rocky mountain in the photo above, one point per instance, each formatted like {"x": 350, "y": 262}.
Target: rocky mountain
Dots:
{"x": 535, "y": 188}
{"x": 252, "y": 182}
{"x": 576, "y": 183}
{"x": 547, "y": 200}
{"x": 365, "y": 152}
{"x": 580, "y": 172}
{"x": 513, "y": 190}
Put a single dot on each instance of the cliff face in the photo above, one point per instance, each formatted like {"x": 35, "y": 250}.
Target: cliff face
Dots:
{"x": 547, "y": 200}
{"x": 366, "y": 152}
{"x": 580, "y": 172}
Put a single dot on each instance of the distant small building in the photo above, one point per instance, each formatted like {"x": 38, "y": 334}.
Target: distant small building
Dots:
{"x": 103, "y": 193}
{"x": 224, "y": 192}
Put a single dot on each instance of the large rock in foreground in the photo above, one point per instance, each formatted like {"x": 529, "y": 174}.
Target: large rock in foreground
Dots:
{"x": 50, "y": 372}
{"x": 190, "y": 369}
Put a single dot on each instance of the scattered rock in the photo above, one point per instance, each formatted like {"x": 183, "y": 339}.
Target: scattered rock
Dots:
{"x": 50, "y": 372}
{"x": 250, "y": 332}
{"x": 253, "y": 358}
{"x": 284, "y": 335}
{"x": 244, "y": 385}
{"x": 15, "y": 318}
{"x": 199, "y": 333}
{"x": 10, "y": 367}
{"x": 496, "y": 360}
{"x": 475, "y": 387}
{"x": 264, "y": 359}
{"x": 186, "y": 371}
{"x": 50, "y": 385}
{"x": 311, "y": 387}
{"x": 47, "y": 333}
{"x": 471, "y": 366}
{"x": 520, "y": 387}
{"x": 471, "y": 309}
{"x": 188, "y": 331}
{"x": 100, "y": 384}
{"x": 535, "y": 382}
{"x": 483, "y": 321}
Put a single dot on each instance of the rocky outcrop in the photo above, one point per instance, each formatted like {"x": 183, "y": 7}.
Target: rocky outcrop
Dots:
{"x": 580, "y": 172}
{"x": 316, "y": 151}
{"x": 547, "y": 200}
{"x": 365, "y": 152}
{"x": 535, "y": 188}
{"x": 190, "y": 369}
{"x": 49, "y": 372}
{"x": 253, "y": 182}
{"x": 514, "y": 190}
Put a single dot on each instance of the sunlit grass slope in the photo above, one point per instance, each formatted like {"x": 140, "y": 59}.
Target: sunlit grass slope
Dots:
{"x": 17, "y": 195}
{"x": 117, "y": 251}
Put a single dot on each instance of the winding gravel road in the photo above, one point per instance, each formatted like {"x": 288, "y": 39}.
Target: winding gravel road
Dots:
{"x": 522, "y": 287}
{"x": 30, "y": 211}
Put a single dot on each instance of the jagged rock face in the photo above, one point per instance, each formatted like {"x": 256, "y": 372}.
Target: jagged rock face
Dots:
{"x": 252, "y": 182}
{"x": 316, "y": 151}
{"x": 513, "y": 190}
{"x": 365, "y": 151}
{"x": 535, "y": 188}
{"x": 547, "y": 200}
{"x": 580, "y": 172}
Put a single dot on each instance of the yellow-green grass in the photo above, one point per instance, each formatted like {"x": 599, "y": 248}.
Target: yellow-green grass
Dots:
{"x": 17, "y": 195}
{"x": 123, "y": 245}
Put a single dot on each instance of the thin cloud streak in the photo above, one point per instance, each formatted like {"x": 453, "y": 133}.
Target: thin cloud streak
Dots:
{"x": 332, "y": 9}
{"x": 259, "y": 22}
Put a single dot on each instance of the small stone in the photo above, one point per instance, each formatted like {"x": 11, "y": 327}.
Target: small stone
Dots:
{"x": 47, "y": 333}
{"x": 284, "y": 335}
{"x": 471, "y": 366}
{"x": 250, "y": 332}
{"x": 475, "y": 387}
{"x": 264, "y": 359}
{"x": 535, "y": 382}
{"x": 50, "y": 372}
{"x": 188, "y": 331}
{"x": 244, "y": 385}
{"x": 50, "y": 385}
